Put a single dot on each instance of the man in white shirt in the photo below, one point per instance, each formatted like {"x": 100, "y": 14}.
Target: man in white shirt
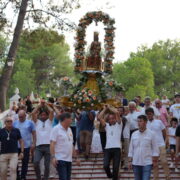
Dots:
{"x": 175, "y": 108}
{"x": 160, "y": 134}
{"x": 133, "y": 117}
{"x": 148, "y": 104}
{"x": 43, "y": 130}
{"x": 143, "y": 151}
{"x": 62, "y": 147}
{"x": 113, "y": 144}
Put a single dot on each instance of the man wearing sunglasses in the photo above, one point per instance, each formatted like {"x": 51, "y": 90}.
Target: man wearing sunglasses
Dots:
{"x": 9, "y": 138}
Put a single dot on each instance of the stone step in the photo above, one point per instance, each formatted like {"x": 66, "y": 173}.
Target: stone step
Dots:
{"x": 86, "y": 167}
{"x": 101, "y": 171}
{"x": 92, "y": 169}
{"x": 97, "y": 178}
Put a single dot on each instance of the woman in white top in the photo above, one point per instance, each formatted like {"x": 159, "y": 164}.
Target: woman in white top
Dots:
{"x": 165, "y": 102}
{"x": 158, "y": 128}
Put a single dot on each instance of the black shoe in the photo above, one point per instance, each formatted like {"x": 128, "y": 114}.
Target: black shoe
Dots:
{"x": 86, "y": 157}
{"x": 125, "y": 169}
{"x": 110, "y": 176}
{"x": 18, "y": 176}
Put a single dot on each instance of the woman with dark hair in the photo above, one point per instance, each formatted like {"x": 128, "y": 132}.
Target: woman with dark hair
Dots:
{"x": 29, "y": 104}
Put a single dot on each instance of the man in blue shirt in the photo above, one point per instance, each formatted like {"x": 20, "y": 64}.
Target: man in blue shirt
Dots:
{"x": 28, "y": 133}
{"x": 86, "y": 125}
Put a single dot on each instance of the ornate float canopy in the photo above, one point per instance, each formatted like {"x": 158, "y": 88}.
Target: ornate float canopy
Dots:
{"x": 97, "y": 16}
{"x": 93, "y": 90}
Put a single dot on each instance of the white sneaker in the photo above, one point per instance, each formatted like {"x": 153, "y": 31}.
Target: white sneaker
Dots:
{"x": 171, "y": 165}
{"x": 52, "y": 176}
{"x": 176, "y": 170}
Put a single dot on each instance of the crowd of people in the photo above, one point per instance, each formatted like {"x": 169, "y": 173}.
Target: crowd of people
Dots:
{"x": 137, "y": 135}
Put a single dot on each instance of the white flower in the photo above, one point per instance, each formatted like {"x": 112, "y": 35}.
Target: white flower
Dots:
{"x": 109, "y": 26}
{"x": 109, "y": 59}
{"x": 75, "y": 44}
{"x": 79, "y": 28}
{"x": 112, "y": 19}
{"x": 106, "y": 46}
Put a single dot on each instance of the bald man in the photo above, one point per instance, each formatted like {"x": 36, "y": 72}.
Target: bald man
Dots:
{"x": 163, "y": 112}
{"x": 132, "y": 117}
{"x": 28, "y": 133}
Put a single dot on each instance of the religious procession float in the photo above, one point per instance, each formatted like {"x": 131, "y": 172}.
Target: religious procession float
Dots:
{"x": 95, "y": 88}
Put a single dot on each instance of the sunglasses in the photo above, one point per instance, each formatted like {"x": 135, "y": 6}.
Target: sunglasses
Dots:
{"x": 9, "y": 121}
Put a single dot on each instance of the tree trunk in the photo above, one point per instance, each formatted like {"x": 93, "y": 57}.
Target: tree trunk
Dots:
{"x": 8, "y": 68}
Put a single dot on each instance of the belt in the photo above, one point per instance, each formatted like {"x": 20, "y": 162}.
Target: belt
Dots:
{"x": 43, "y": 145}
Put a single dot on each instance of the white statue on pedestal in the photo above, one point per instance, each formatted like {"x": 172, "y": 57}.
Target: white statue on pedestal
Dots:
{"x": 15, "y": 99}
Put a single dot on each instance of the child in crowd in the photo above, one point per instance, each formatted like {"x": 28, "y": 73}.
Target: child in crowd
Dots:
{"x": 172, "y": 141}
{"x": 96, "y": 146}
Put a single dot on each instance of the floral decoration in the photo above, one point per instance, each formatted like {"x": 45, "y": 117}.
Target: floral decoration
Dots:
{"x": 66, "y": 84}
{"x": 113, "y": 85}
{"x": 84, "y": 98}
{"x": 97, "y": 16}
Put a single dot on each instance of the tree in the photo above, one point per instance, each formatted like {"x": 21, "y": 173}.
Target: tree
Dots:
{"x": 164, "y": 57}
{"x": 136, "y": 76}
{"x": 50, "y": 57}
{"x": 39, "y": 15}
{"x": 3, "y": 49}
{"x": 8, "y": 67}
{"x": 3, "y": 46}
{"x": 23, "y": 78}
{"x": 136, "y": 90}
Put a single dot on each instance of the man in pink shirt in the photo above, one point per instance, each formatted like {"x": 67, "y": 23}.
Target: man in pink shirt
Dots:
{"x": 163, "y": 112}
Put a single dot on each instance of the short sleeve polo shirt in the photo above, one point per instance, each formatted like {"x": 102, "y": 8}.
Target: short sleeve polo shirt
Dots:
{"x": 9, "y": 145}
